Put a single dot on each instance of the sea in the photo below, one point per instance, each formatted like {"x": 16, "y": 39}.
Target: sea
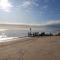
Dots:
{"x": 23, "y": 32}
{"x": 8, "y": 34}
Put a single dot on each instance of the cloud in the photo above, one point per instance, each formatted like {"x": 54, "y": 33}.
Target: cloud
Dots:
{"x": 29, "y": 4}
{"x": 44, "y": 7}
{"x": 53, "y": 22}
{"x": 53, "y": 26}
{"x": 26, "y": 4}
{"x": 50, "y": 26}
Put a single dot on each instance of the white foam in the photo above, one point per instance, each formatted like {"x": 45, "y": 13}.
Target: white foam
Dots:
{"x": 6, "y": 39}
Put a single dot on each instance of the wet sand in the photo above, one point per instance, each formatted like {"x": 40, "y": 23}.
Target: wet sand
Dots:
{"x": 34, "y": 48}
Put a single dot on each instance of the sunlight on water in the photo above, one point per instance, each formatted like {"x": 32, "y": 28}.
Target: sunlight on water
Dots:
{"x": 4, "y": 38}
{"x": 3, "y": 29}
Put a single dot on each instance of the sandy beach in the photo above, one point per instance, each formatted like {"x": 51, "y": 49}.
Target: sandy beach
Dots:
{"x": 33, "y": 48}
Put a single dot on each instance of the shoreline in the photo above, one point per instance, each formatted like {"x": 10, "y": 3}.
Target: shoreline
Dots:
{"x": 32, "y": 48}
{"x": 21, "y": 39}
{"x": 14, "y": 40}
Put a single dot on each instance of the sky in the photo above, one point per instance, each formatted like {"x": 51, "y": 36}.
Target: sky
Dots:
{"x": 36, "y": 12}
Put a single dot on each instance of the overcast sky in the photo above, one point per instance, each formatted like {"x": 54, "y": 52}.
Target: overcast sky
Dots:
{"x": 30, "y": 11}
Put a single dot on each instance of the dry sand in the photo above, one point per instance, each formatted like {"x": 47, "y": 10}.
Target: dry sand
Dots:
{"x": 38, "y": 48}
